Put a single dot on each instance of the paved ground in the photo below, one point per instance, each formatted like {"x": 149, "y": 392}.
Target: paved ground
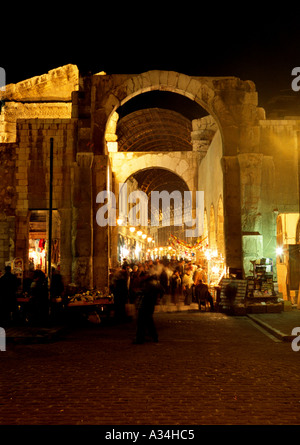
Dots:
{"x": 281, "y": 325}
{"x": 207, "y": 369}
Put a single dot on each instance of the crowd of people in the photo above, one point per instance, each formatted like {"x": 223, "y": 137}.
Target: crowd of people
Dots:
{"x": 141, "y": 285}
{"x": 145, "y": 284}
{"x": 178, "y": 278}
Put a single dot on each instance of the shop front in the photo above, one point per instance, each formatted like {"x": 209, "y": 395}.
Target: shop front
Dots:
{"x": 133, "y": 245}
{"x": 38, "y": 252}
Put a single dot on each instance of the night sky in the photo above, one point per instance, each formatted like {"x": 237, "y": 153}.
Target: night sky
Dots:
{"x": 246, "y": 41}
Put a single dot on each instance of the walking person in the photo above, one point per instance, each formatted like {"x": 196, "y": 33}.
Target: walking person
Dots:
{"x": 120, "y": 291}
{"x": 151, "y": 291}
{"x": 175, "y": 286}
{"x": 187, "y": 286}
{"x": 134, "y": 284}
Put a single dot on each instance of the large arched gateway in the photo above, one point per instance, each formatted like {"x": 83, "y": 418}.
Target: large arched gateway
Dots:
{"x": 218, "y": 138}
{"x": 208, "y": 131}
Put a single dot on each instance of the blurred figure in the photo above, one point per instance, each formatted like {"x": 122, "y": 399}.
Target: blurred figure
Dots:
{"x": 175, "y": 285}
{"x": 202, "y": 294}
{"x": 39, "y": 301}
{"x": 151, "y": 291}
{"x": 8, "y": 296}
{"x": 119, "y": 288}
{"x": 57, "y": 286}
{"x": 164, "y": 281}
{"x": 134, "y": 284}
{"x": 56, "y": 291}
{"x": 187, "y": 286}
{"x": 27, "y": 281}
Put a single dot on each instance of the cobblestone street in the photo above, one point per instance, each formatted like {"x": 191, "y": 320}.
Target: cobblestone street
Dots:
{"x": 207, "y": 369}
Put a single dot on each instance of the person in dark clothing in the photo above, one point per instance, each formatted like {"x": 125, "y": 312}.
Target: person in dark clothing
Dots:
{"x": 57, "y": 285}
{"x": 39, "y": 301}
{"x": 175, "y": 286}
{"x": 8, "y": 296}
{"x": 57, "y": 291}
{"x": 151, "y": 291}
{"x": 134, "y": 285}
{"x": 164, "y": 280}
{"x": 120, "y": 292}
{"x": 27, "y": 281}
{"x": 202, "y": 294}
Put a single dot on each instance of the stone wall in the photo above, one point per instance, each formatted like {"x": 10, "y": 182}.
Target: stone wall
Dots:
{"x": 8, "y": 199}
{"x": 41, "y": 97}
{"x": 210, "y": 177}
{"x": 32, "y": 179}
{"x": 279, "y": 140}
{"x": 56, "y": 85}
{"x": 12, "y": 111}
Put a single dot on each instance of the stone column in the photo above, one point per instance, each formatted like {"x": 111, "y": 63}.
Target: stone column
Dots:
{"x": 22, "y": 236}
{"x": 203, "y": 132}
{"x": 7, "y": 239}
{"x": 257, "y": 213}
{"x": 250, "y": 177}
{"x": 101, "y": 235}
{"x": 82, "y": 221}
{"x": 232, "y": 212}
{"x": 66, "y": 244}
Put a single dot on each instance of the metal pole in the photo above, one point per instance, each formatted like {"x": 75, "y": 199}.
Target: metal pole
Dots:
{"x": 50, "y": 211}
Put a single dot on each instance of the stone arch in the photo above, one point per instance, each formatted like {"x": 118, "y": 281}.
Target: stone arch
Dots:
{"x": 174, "y": 162}
{"x": 231, "y": 102}
{"x": 161, "y": 180}
{"x": 200, "y": 90}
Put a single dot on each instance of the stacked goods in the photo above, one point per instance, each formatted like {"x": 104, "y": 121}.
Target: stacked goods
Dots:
{"x": 91, "y": 297}
{"x": 261, "y": 295}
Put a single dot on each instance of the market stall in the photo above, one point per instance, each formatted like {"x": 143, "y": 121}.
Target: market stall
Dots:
{"x": 261, "y": 294}
{"x": 89, "y": 305}
{"x": 254, "y": 295}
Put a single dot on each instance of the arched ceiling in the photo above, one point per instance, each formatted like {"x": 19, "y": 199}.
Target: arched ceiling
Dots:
{"x": 159, "y": 179}
{"x": 154, "y": 129}
{"x": 157, "y": 121}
